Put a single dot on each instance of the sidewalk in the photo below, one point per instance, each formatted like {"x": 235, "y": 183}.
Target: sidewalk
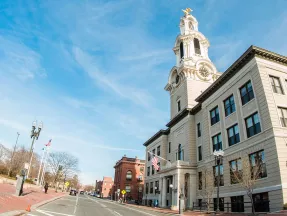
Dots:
{"x": 32, "y": 196}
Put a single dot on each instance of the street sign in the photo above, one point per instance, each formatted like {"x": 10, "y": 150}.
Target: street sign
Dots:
{"x": 123, "y": 192}
{"x": 67, "y": 184}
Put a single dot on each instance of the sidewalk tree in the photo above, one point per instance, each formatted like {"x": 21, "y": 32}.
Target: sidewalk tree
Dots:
{"x": 207, "y": 185}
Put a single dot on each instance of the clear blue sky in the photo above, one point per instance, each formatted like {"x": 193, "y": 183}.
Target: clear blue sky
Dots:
{"x": 94, "y": 71}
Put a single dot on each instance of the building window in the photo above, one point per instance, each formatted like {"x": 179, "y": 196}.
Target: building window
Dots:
{"x": 146, "y": 188}
{"x": 261, "y": 202}
{"x": 148, "y": 171}
{"x": 129, "y": 176}
{"x": 198, "y": 130}
{"x": 246, "y": 92}
{"x": 169, "y": 147}
{"x": 167, "y": 186}
{"x": 181, "y": 50}
{"x": 276, "y": 85}
{"x": 200, "y": 181}
{"x": 158, "y": 150}
{"x": 258, "y": 166}
{"x": 180, "y": 152}
{"x": 142, "y": 169}
{"x": 158, "y": 167}
{"x": 199, "y": 153}
{"x": 252, "y": 125}
{"x": 148, "y": 156}
{"x": 215, "y": 174}
{"x": 178, "y": 106}
{"x": 152, "y": 170}
{"x": 151, "y": 188}
{"x": 233, "y": 135}
{"x": 153, "y": 152}
{"x": 237, "y": 204}
{"x": 156, "y": 186}
{"x": 217, "y": 142}
{"x": 214, "y": 116}
{"x": 283, "y": 116}
{"x": 221, "y": 204}
{"x": 196, "y": 46}
{"x": 128, "y": 188}
{"x": 235, "y": 171}
{"x": 229, "y": 106}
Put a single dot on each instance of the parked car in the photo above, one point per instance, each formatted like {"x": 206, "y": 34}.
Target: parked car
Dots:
{"x": 98, "y": 196}
{"x": 82, "y": 192}
{"x": 73, "y": 192}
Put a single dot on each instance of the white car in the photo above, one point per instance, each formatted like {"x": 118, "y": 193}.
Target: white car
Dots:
{"x": 98, "y": 196}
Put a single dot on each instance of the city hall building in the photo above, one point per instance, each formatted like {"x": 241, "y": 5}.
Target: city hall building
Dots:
{"x": 242, "y": 111}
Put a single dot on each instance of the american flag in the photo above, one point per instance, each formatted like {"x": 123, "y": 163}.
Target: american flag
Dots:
{"x": 154, "y": 162}
{"x": 49, "y": 143}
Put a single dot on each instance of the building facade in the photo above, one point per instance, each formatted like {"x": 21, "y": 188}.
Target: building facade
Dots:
{"x": 129, "y": 176}
{"x": 242, "y": 111}
{"x": 104, "y": 188}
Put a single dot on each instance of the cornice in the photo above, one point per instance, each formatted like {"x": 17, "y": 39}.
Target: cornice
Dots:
{"x": 157, "y": 135}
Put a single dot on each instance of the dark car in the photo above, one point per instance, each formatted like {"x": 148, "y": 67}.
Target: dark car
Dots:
{"x": 73, "y": 192}
{"x": 82, "y": 192}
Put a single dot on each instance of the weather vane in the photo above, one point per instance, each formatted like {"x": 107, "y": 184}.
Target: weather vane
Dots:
{"x": 186, "y": 11}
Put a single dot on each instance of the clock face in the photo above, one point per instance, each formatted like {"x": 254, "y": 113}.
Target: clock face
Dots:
{"x": 204, "y": 72}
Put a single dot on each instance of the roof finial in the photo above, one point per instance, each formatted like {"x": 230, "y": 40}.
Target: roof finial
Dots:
{"x": 186, "y": 11}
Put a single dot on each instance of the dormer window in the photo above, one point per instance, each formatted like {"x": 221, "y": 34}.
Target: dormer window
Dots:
{"x": 181, "y": 50}
{"x": 196, "y": 46}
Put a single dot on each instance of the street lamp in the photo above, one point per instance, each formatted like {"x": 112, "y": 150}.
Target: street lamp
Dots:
{"x": 218, "y": 154}
{"x": 34, "y": 135}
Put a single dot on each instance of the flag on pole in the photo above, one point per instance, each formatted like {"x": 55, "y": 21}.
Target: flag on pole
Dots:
{"x": 49, "y": 143}
{"x": 154, "y": 162}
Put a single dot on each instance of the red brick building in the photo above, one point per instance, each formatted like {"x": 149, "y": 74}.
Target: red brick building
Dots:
{"x": 104, "y": 188}
{"x": 129, "y": 176}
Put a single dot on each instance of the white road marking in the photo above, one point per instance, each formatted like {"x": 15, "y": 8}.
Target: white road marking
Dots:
{"x": 76, "y": 204}
{"x": 104, "y": 206}
{"x": 114, "y": 212}
{"x": 47, "y": 213}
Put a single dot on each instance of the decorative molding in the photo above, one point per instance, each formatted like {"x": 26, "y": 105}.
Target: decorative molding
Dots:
{"x": 179, "y": 131}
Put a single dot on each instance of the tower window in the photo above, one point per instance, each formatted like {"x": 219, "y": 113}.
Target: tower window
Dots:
{"x": 181, "y": 50}
{"x": 196, "y": 46}
{"x": 176, "y": 79}
{"x": 178, "y": 106}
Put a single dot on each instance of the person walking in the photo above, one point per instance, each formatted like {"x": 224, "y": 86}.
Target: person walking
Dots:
{"x": 46, "y": 187}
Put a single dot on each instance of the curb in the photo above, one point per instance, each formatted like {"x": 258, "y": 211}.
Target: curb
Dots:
{"x": 33, "y": 207}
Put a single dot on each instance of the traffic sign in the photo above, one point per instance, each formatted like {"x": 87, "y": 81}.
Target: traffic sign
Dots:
{"x": 67, "y": 184}
{"x": 123, "y": 192}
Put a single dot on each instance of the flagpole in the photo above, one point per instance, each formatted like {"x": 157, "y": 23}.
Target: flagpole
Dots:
{"x": 42, "y": 158}
{"x": 158, "y": 157}
{"x": 44, "y": 166}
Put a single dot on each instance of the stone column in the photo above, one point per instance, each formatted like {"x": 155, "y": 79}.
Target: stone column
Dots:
{"x": 192, "y": 190}
{"x": 163, "y": 192}
{"x": 160, "y": 189}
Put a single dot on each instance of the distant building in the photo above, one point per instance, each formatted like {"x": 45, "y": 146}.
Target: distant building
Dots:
{"x": 129, "y": 176}
{"x": 104, "y": 188}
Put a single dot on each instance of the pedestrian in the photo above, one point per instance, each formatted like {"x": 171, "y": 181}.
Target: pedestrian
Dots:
{"x": 46, "y": 187}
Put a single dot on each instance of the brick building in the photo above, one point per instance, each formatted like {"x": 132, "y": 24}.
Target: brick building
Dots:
{"x": 104, "y": 187}
{"x": 129, "y": 176}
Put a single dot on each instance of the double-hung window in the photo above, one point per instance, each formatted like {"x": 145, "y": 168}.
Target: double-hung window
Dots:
{"x": 151, "y": 188}
{"x": 215, "y": 174}
{"x": 229, "y": 105}
{"x": 246, "y": 92}
{"x": 148, "y": 171}
{"x": 283, "y": 116}
{"x": 158, "y": 150}
{"x": 198, "y": 130}
{"x": 200, "y": 181}
{"x": 233, "y": 135}
{"x": 258, "y": 166}
{"x": 146, "y": 188}
{"x": 214, "y": 116}
{"x": 235, "y": 171}
{"x": 252, "y": 125}
{"x": 199, "y": 153}
{"x": 276, "y": 85}
{"x": 217, "y": 142}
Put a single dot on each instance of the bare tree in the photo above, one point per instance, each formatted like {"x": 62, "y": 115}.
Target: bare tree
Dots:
{"x": 247, "y": 174}
{"x": 62, "y": 166}
{"x": 207, "y": 187}
{"x": 89, "y": 187}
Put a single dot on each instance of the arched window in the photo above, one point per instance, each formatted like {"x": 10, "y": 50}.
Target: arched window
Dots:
{"x": 181, "y": 50}
{"x": 180, "y": 152}
{"x": 129, "y": 175}
{"x": 196, "y": 46}
{"x": 190, "y": 25}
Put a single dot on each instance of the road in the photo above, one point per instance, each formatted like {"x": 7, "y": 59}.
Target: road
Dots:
{"x": 83, "y": 205}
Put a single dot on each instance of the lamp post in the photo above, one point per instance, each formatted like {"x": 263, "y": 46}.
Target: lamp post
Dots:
{"x": 218, "y": 154}
{"x": 34, "y": 135}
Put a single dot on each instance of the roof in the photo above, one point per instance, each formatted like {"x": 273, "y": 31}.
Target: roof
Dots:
{"x": 250, "y": 53}
{"x": 157, "y": 135}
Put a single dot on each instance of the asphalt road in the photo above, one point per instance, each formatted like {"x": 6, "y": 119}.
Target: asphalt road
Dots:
{"x": 83, "y": 205}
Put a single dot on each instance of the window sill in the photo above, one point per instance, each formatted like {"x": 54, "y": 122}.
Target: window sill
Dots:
{"x": 231, "y": 114}
{"x": 215, "y": 124}
{"x": 247, "y": 102}
{"x": 247, "y": 138}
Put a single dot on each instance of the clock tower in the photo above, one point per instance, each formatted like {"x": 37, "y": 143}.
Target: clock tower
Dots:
{"x": 193, "y": 71}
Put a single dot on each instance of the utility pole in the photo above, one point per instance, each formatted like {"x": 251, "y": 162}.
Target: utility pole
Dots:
{"x": 12, "y": 156}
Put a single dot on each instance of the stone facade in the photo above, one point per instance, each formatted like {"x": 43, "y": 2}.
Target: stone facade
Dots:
{"x": 242, "y": 112}
{"x": 129, "y": 176}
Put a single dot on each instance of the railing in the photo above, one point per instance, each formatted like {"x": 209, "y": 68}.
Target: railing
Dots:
{"x": 175, "y": 164}
{"x": 259, "y": 206}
